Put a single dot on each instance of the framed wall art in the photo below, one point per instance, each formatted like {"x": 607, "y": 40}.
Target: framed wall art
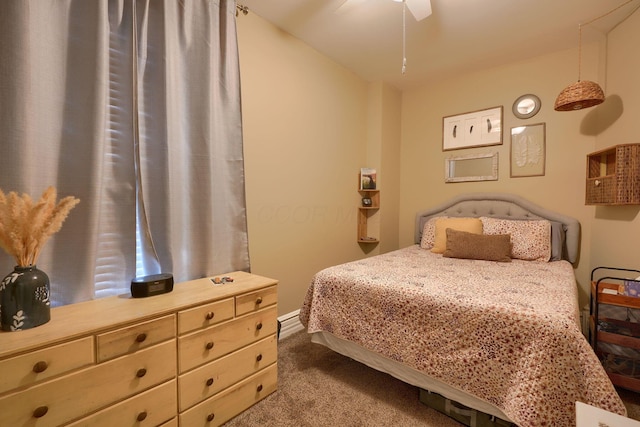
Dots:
{"x": 528, "y": 150}
{"x": 474, "y": 129}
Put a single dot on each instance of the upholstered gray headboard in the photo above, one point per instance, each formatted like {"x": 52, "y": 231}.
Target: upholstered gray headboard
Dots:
{"x": 503, "y": 205}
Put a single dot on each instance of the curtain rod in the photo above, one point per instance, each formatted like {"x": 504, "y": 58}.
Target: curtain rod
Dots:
{"x": 241, "y": 8}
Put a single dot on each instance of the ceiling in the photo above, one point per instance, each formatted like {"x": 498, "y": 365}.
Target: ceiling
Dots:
{"x": 366, "y": 36}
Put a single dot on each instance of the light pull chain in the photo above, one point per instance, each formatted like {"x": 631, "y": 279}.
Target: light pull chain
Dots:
{"x": 579, "y": 50}
{"x": 404, "y": 36}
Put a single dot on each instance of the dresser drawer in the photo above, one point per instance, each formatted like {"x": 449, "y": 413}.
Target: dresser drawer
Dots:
{"x": 204, "y": 346}
{"x": 227, "y": 404}
{"x": 254, "y": 301}
{"x": 69, "y": 397}
{"x": 205, "y": 315}
{"x": 214, "y": 377}
{"x": 150, "y": 408}
{"x": 133, "y": 338}
{"x": 46, "y": 363}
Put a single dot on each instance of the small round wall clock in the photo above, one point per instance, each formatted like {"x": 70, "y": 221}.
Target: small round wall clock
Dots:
{"x": 526, "y": 106}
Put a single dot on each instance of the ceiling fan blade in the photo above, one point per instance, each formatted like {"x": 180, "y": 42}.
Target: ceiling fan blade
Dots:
{"x": 420, "y": 9}
{"x": 348, "y": 5}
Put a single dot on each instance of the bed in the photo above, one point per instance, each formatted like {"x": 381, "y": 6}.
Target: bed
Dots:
{"x": 499, "y": 336}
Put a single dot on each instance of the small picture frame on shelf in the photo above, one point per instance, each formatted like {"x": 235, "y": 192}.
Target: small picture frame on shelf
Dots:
{"x": 368, "y": 179}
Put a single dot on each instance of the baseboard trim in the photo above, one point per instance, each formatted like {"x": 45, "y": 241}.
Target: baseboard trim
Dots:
{"x": 290, "y": 324}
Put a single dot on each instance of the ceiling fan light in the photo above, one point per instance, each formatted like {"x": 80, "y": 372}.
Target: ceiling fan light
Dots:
{"x": 579, "y": 95}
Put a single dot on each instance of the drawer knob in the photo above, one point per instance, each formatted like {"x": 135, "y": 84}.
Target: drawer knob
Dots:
{"x": 141, "y": 337}
{"x": 210, "y": 315}
{"x": 259, "y": 326}
{"x": 209, "y": 345}
{"x": 141, "y": 372}
{"x": 40, "y": 411}
{"x": 142, "y": 416}
{"x": 259, "y": 388}
{"x": 40, "y": 367}
{"x": 259, "y": 301}
{"x": 211, "y": 416}
{"x": 209, "y": 382}
{"x": 259, "y": 358}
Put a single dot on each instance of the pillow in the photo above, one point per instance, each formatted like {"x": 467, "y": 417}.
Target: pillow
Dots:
{"x": 429, "y": 232}
{"x": 530, "y": 239}
{"x": 488, "y": 247}
{"x": 558, "y": 236}
{"x": 470, "y": 225}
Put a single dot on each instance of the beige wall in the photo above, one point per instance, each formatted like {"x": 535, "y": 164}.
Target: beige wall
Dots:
{"x": 616, "y": 230}
{"x": 383, "y": 151}
{"x": 309, "y": 125}
{"x": 305, "y": 140}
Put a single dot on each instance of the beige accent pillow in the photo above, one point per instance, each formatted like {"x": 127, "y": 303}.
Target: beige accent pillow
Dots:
{"x": 530, "y": 239}
{"x": 470, "y": 225}
{"x": 488, "y": 247}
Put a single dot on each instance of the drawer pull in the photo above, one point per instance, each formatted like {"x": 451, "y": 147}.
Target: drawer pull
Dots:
{"x": 259, "y": 326}
{"x": 259, "y": 388}
{"x": 211, "y": 416}
{"x": 210, "y": 315}
{"x": 209, "y": 345}
{"x": 141, "y": 337}
{"x": 40, "y": 411}
{"x": 142, "y": 416}
{"x": 40, "y": 367}
{"x": 141, "y": 372}
{"x": 210, "y": 382}
{"x": 259, "y": 301}
{"x": 259, "y": 358}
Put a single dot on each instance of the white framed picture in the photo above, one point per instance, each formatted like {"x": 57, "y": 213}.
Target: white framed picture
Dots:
{"x": 474, "y": 129}
{"x": 528, "y": 150}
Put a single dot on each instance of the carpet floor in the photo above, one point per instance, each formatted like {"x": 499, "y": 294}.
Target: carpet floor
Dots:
{"x": 318, "y": 387}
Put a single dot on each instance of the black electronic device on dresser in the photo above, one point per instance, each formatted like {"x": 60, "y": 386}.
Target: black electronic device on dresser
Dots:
{"x": 155, "y": 284}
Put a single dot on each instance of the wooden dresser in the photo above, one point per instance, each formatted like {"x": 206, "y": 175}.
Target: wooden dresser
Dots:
{"x": 197, "y": 356}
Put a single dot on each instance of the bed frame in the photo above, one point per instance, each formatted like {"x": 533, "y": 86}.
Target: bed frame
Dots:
{"x": 497, "y": 205}
{"x": 506, "y": 206}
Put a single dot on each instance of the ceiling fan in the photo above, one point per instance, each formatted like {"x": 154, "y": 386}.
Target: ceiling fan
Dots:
{"x": 420, "y": 9}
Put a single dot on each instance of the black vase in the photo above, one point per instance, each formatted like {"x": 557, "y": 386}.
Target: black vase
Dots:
{"x": 24, "y": 299}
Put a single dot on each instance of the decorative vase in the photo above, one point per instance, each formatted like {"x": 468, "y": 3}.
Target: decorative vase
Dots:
{"x": 24, "y": 299}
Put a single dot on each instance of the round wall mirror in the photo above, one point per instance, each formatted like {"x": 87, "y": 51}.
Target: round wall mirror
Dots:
{"x": 526, "y": 106}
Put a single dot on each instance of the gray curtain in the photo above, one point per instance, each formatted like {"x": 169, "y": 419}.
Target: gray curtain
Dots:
{"x": 133, "y": 106}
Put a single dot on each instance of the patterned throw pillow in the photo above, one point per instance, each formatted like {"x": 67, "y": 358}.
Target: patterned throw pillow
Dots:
{"x": 429, "y": 233}
{"x": 530, "y": 239}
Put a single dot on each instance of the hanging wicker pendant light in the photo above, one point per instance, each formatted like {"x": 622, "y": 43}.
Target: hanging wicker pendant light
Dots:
{"x": 583, "y": 93}
{"x": 579, "y": 95}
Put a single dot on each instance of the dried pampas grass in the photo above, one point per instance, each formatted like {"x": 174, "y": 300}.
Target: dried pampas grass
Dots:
{"x": 25, "y": 226}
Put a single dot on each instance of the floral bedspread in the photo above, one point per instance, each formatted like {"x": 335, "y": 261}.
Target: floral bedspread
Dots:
{"x": 507, "y": 333}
